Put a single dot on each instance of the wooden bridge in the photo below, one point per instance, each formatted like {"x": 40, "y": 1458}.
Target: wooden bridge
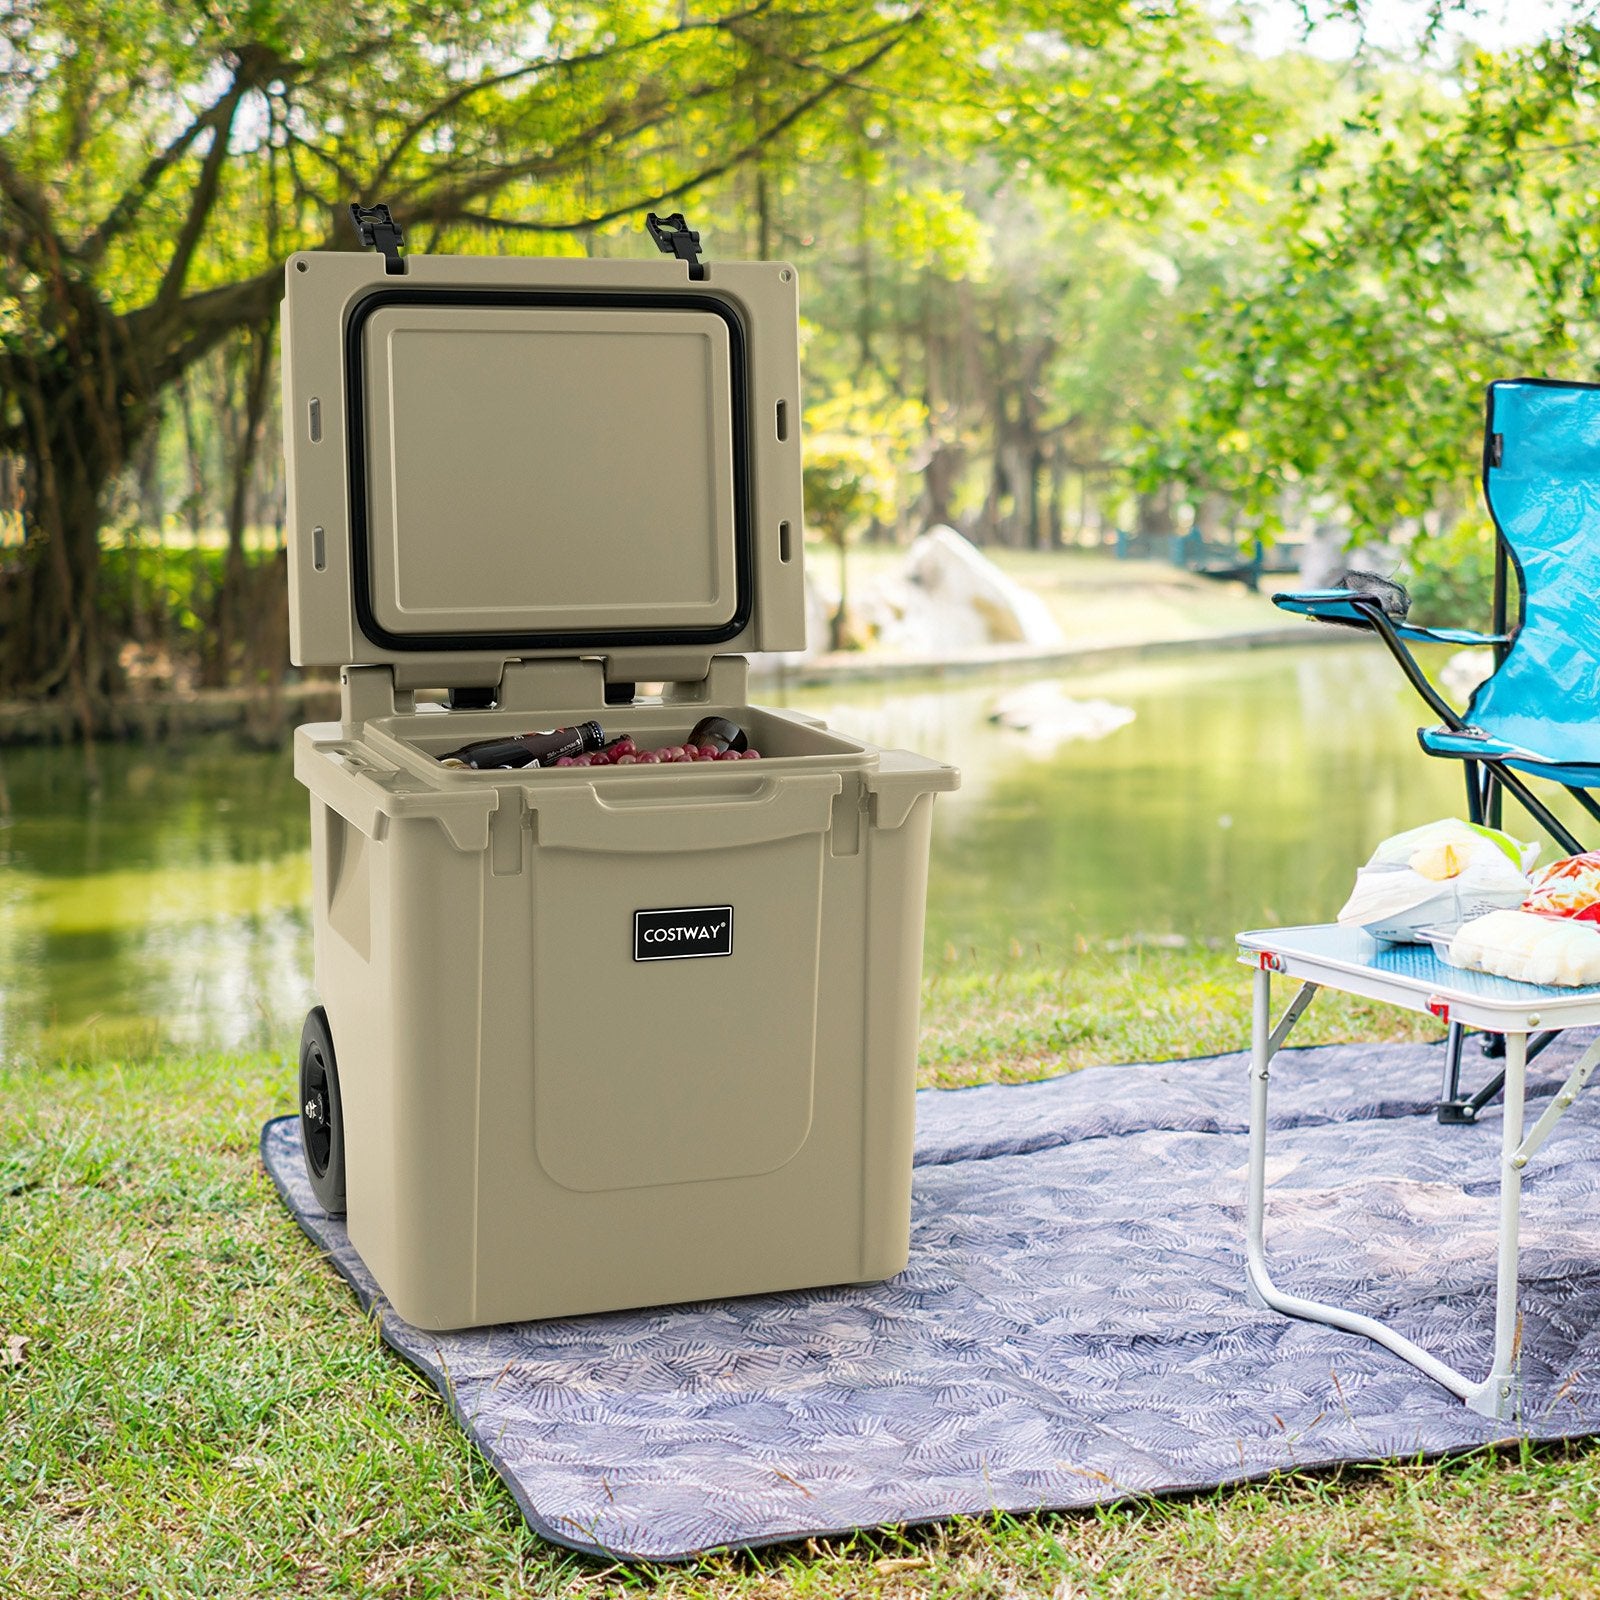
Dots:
{"x": 1212, "y": 558}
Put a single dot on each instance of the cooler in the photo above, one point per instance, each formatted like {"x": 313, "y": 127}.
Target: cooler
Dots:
{"x": 589, "y": 1037}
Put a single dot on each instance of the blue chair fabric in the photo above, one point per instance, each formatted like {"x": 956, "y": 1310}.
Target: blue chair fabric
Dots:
{"x": 1539, "y": 712}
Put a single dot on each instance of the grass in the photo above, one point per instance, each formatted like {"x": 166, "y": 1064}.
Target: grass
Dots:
{"x": 191, "y": 1403}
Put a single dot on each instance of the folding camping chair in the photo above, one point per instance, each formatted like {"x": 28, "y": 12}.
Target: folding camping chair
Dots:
{"x": 1538, "y": 713}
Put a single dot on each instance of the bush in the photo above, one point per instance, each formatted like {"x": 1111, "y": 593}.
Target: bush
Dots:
{"x": 1451, "y": 577}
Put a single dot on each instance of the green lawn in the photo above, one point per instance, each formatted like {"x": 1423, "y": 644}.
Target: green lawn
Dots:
{"x": 199, "y": 1408}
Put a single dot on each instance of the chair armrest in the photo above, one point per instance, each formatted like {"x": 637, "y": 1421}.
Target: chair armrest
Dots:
{"x": 1351, "y": 609}
{"x": 1348, "y": 608}
{"x": 1464, "y": 637}
{"x": 1324, "y": 605}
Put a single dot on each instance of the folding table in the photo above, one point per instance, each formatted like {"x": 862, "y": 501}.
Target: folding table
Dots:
{"x": 1413, "y": 977}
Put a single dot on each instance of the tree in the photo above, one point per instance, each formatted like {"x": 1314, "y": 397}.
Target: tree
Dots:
{"x": 858, "y": 444}
{"x": 1436, "y": 242}
{"x": 971, "y": 268}
{"x": 156, "y": 164}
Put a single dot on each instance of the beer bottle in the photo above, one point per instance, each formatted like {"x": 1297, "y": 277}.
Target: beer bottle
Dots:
{"x": 528, "y": 749}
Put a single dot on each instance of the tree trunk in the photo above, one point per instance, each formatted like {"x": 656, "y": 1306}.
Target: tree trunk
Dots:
{"x": 1154, "y": 513}
{"x": 194, "y": 500}
{"x": 232, "y": 599}
{"x": 50, "y": 637}
{"x": 1055, "y": 504}
{"x": 1038, "y": 532}
{"x": 939, "y": 481}
{"x": 841, "y": 616}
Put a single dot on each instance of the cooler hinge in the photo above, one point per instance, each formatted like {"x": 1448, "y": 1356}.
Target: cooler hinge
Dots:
{"x": 368, "y": 692}
{"x": 377, "y": 230}
{"x": 724, "y": 683}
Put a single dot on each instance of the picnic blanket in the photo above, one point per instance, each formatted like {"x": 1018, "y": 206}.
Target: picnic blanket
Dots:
{"x": 1072, "y": 1327}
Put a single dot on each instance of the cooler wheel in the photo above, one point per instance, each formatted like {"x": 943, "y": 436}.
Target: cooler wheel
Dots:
{"x": 321, "y": 1113}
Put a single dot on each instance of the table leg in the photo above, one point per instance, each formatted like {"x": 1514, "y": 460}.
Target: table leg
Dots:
{"x": 1496, "y": 1396}
{"x": 1256, "y": 1196}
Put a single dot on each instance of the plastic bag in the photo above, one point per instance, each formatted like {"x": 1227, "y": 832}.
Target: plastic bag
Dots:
{"x": 1438, "y": 876}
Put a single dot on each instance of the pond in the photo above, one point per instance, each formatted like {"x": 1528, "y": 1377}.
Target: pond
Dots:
{"x": 1244, "y": 791}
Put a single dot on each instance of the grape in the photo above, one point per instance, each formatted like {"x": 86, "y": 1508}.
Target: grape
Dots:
{"x": 751, "y": 755}
{"x": 645, "y": 757}
{"x": 626, "y": 760}
{"x": 564, "y": 761}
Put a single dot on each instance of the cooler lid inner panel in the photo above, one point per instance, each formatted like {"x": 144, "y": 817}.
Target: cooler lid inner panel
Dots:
{"x": 544, "y": 474}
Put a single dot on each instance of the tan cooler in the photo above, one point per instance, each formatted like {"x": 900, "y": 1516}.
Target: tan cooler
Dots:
{"x": 590, "y": 1038}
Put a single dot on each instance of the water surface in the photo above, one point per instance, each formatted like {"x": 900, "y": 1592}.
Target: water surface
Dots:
{"x": 1244, "y": 792}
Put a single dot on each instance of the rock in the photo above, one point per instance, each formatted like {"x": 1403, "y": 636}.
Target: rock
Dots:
{"x": 946, "y": 597}
{"x": 1048, "y": 716}
{"x": 1464, "y": 671}
{"x": 949, "y": 596}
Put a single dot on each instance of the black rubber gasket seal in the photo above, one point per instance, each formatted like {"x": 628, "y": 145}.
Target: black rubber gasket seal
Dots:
{"x": 356, "y": 451}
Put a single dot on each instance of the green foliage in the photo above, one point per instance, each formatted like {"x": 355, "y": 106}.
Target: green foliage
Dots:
{"x": 1093, "y": 247}
{"x": 1450, "y": 577}
{"x": 167, "y": 591}
{"x": 1441, "y": 237}
{"x": 859, "y": 445}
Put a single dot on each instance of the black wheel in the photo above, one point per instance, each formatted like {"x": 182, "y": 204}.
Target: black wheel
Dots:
{"x": 322, "y": 1113}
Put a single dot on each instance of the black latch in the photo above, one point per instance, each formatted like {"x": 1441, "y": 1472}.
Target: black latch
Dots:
{"x": 378, "y": 230}
{"x": 674, "y": 237}
{"x": 1497, "y": 449}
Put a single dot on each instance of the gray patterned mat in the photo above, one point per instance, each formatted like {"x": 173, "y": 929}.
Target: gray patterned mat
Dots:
{"x": 1072, "y": 1327}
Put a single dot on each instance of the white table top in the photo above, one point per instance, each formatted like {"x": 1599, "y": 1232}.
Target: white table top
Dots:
{"x": 1412, "y": 976}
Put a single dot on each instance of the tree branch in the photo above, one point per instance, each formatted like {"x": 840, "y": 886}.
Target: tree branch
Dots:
{"x": 205, "y": 320}
{"x": 349, "y": 181}
{"x": 446, "y": 204}
{"x": 28, "y": 203}
{"x": 830, "y": 86}
{"x": 132, "y": 199}
{"x": 499, "y": 80}
{"x": 253, "y": 63}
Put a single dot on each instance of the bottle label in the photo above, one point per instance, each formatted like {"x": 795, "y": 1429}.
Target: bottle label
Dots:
{"x": 683, "y": 933}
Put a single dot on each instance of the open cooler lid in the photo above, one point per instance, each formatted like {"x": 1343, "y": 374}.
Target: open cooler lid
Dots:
{"x": 493, "y": 459}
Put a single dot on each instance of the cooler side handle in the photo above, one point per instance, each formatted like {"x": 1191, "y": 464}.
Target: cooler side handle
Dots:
{"x": 334, "y": 782}
{"x": 367, "y": 803}
{"x": 900, "y": 779}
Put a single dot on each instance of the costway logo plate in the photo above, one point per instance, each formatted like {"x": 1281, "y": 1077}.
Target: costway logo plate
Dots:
{"x": 683, "y": 933}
